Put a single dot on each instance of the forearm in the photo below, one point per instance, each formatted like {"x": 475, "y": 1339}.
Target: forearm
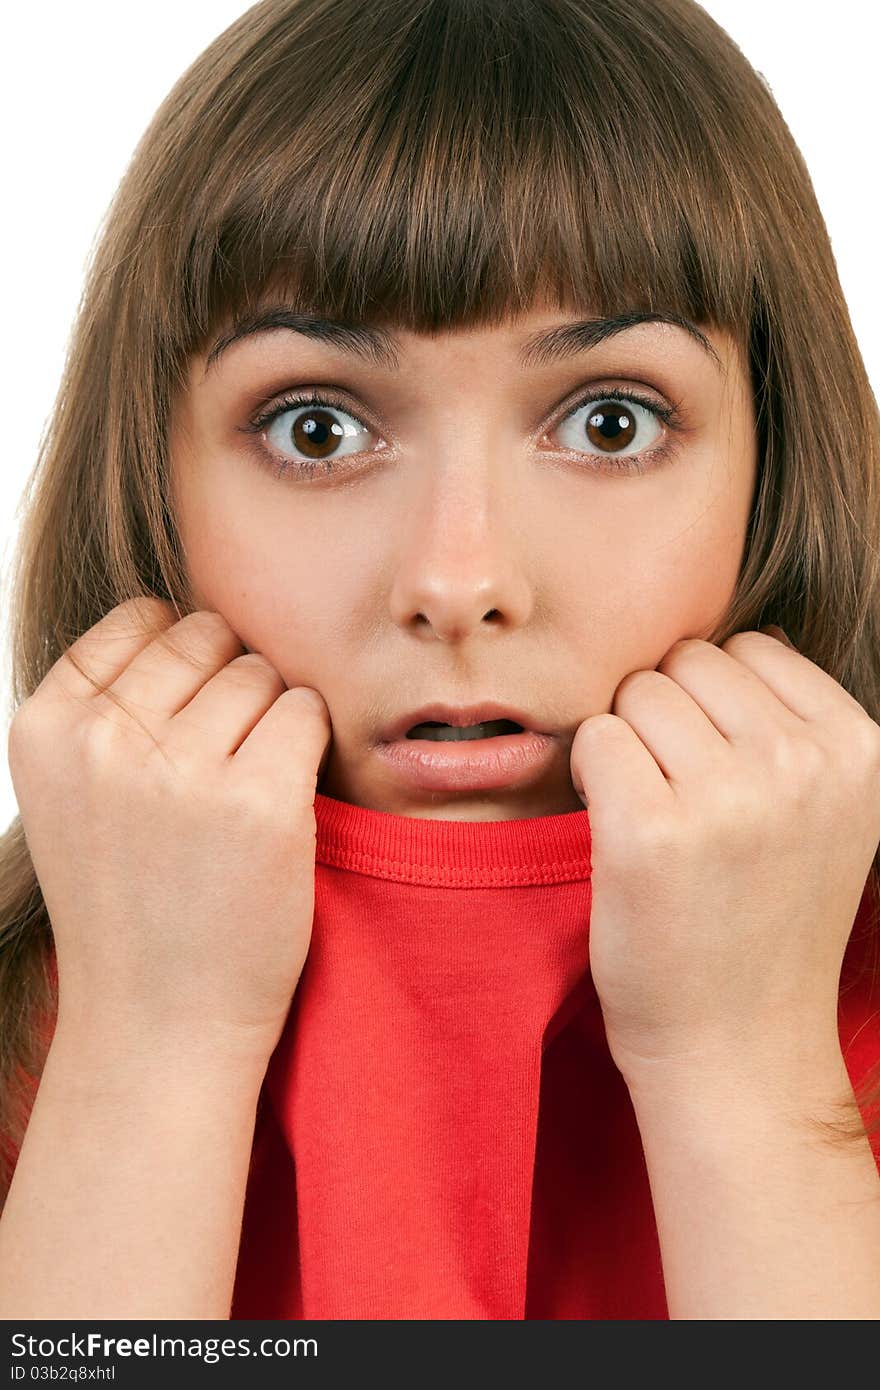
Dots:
{"x": 758, "y": 1215}
{"x": 128, "y": 1194}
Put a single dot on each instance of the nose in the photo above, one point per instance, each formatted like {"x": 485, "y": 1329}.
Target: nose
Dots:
{"x": 461, "y": 568}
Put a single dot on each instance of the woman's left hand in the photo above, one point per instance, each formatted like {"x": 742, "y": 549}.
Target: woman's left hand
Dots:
{"x": 734, "y": 800}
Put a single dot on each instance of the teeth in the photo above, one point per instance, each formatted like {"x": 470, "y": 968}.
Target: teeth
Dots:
{"x": 446, "y": 733}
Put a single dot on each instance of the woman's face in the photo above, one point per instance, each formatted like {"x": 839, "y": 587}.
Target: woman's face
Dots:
{"x": 463, "y": 534}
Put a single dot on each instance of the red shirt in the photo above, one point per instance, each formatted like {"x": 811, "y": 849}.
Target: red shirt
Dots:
{"x": 441, "y": 1131}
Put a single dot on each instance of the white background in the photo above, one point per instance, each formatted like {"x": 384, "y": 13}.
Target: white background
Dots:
{"x": 82, "y": 81}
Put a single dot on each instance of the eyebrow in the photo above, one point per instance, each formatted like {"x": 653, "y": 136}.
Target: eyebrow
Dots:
{"x": 380, "y": 347}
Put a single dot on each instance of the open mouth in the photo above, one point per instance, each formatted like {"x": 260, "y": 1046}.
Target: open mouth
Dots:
{"x": 433, "y": 756}
{"x": 434, "y": 732}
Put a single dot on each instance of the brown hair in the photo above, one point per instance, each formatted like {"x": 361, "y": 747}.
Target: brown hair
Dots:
{"x": 436, "y": 164}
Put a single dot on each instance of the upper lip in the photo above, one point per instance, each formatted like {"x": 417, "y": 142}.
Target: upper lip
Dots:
{"x": 459, "y": 717}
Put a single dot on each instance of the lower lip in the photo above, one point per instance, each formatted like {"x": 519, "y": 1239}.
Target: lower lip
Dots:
{"x": 478, "y": 764}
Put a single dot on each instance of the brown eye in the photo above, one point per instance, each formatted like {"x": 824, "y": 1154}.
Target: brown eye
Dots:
{"x": 318, "y": 432}
{"x": 311, "y": 431}
{"x": 611, "y": 426}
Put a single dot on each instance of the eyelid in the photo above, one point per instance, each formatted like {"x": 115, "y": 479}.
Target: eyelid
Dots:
{"x": 336, "y": 396}
{"x": 669, "y": 414}
{"x": 673, "y": 429}
{"x": 580, "y": 396}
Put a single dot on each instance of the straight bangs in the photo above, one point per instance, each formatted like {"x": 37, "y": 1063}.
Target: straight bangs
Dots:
{"x": 419, "y": 168}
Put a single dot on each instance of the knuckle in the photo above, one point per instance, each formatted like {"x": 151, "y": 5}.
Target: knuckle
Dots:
{"x": 113, "y": 735}
{"x": 798, "y": 765}
{"x": 147, "y": 604}
{"x": 175, "y": 769}
{"x": 144, "y": 613}
{"x": 869, "y": 743}
{"x": 20, "y": 729}
{"x": 255, "y": 659}
{"x": 251, "y": 666}
{"x": 596, "y": 725}
{"x": 199, "y": 634}
{"x": 29, "y": 724}
{"x": 637, "y": 681}
{"x": 792, "y": 756}
{"x": 207, "y": 621}
{"x": 744, "y": 640}
{"x": 96, "y": 740}
{"x": 680, "y": 648}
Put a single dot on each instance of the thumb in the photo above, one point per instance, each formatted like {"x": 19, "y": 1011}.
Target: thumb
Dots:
{"x": 316, "y": 701}
{"x": 293, "y": 738}
{"x": 611, "y": 768}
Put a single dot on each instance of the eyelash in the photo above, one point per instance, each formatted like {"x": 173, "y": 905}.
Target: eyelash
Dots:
{"x": 634, "y": 463}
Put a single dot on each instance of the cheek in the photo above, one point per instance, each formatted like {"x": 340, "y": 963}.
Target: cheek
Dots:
{"x": 277, "y": 599}
{"x": 299, "y": 604}
{"x": 691, "y": 581}
{"x": 263, "y": 559}
{"x": 669, "y": 573}
{"x": 264, "y": 568}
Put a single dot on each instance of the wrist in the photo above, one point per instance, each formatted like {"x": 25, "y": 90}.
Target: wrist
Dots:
{"x": 98, "y": 1060}
{"x": 737, "y": 1088}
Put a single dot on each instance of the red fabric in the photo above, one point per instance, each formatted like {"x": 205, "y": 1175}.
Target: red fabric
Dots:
{"x": 442, "y": 1132}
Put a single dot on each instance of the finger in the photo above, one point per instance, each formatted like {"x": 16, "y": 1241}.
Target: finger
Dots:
{"x": 733, "y": 698}
{"x": 290, "y": 740}
{"x": 101, "y": 653}
{"x": 164, "y": 676}
{"x": 798, "y": 683}
{"x": 224, "y": 710}
{"x": 677, "y": 732}
{"x": 613, "y": 772}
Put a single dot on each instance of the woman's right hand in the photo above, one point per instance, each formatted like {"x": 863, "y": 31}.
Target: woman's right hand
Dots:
{"x": 175, "y": 844}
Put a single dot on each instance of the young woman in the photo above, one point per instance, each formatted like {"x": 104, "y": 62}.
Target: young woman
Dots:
{"x": 441, "y": 365}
